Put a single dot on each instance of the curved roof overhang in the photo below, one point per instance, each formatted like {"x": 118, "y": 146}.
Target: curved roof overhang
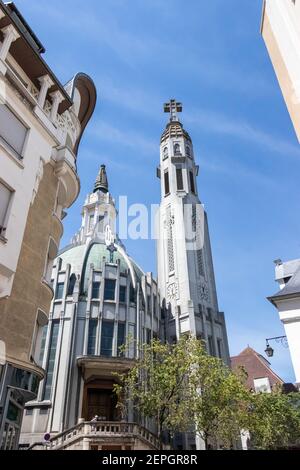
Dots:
{"x": 88, "y": 94}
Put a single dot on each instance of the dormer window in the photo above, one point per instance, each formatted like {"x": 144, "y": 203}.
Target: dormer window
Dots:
{"x": 165, "y": 153}
{"x": 177, "y": 149}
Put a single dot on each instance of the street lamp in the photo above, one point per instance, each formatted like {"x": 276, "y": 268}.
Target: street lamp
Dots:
{"x": 279, "y": 339}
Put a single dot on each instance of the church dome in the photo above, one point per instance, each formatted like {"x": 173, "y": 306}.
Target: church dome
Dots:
{"x": 174, "y": 130}
{"x": 81, "y": 257}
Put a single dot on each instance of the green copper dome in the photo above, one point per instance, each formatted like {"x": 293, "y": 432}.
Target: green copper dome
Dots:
{"x": 82, "y": 256}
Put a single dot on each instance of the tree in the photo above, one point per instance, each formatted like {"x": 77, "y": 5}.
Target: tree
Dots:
{"x": 274, "y": 420}
{"x": 183, "y": 389}
{"x": 156, "y": 386}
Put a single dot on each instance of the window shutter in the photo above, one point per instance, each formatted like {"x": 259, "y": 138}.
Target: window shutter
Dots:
{"x": 11, "y": 129}
{"x": 5, "y": 195}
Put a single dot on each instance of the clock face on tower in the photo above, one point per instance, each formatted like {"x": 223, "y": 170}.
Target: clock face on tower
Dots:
{"x": 204, "y": 294}
{"x": 172, "y": 291}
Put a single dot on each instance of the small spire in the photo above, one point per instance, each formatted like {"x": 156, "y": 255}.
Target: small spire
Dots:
{"x": 101, "y": 183}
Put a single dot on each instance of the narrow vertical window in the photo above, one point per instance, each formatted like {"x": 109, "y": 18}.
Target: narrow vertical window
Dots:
{"x": 51, "y": 359}
{"x": 92, "y": 337}
{"x": 59, "y": 291}
{"x": 179, "y": 179}
{"x": 211, "y": 346}
{"x": 132, "y": 294}
{"x": 122, "y": 294}
{"x": 107, "y": 335}
{"x": 96, "y": 290}
{"x": 72, "y": 283}
{"x": 167, "y": 183}
{"x": 109, "y": 289}
{"x": 43, "y": 342}
{"x": 121, "y": 338}
{"x": 5, "y": 195}
{"x": 219, "y": 342}
{"x": 192, "y": 182}
{"x": 91, "y": 222}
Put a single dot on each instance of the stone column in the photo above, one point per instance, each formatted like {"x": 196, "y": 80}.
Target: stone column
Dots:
{"x": 10, "y": 35}
{"x": 57, "y": 98}
{"x": 46, "y": 83}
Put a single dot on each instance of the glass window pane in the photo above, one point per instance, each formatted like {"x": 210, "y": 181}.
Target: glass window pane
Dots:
{"x": 43, "y": 342}
{"x": 121, "y": 338}
{"x": 51, "y": 359}
{"x": 107, "y": 334}
{"x": 109, "y": 289}
{"x": 12, "y": 130}
{"x": 179, "y": 178}
{"x": 59, "y": 291}
{"x": 96, "y": 290}
{"x": 167, "y": 184}
{"x": 122, "y": 296}
{"x": 5, "y": 195}
{"x": 192, "y": 182}
{"x": 92, "y": 337}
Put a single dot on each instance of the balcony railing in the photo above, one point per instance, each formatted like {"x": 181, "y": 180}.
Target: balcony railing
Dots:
{"x": 108, "y": 430}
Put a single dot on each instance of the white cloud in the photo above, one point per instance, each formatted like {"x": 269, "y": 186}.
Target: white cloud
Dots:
{"x": 124, "y": 138}
{"x": 219, "y": 123}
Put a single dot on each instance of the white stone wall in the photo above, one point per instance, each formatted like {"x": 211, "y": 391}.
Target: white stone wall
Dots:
{"x": 281, "y": 31}
{"x": 289, "y": 314}
{"x": 184, "y": 288}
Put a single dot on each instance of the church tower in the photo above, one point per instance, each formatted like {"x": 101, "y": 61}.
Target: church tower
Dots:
{"x": 98, "y": 213}
{"x": 185, "y": 267}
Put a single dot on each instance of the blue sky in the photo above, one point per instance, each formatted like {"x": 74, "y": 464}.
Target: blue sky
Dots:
{"x": 210, "y": 56}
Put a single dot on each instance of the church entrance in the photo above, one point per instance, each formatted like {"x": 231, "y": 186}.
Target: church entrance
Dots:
{"x": 99, "y": 400}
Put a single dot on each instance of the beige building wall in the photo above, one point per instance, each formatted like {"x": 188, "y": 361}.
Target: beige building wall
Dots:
{"x": 281, "y": 32}
{"x": 30, "y": 294}
{"x": 41, "y": 125}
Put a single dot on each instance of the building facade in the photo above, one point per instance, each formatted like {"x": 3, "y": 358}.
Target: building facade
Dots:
{"x": 281, "y": 32}
{"x": 287, "y": 302}
{"x": 102, "y": 298}
{"x": 41, "y": 124}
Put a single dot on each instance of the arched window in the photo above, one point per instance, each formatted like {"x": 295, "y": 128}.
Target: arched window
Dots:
{"x": 177, "y": 149}
{"x": 72, "y": 282}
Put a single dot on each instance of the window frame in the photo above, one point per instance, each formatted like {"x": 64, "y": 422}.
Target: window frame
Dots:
{"x": 105, "y": 298}
{"x": 4, "y": 226}
{"x": 166, "y": 182}
{"x": 8, "y": 147}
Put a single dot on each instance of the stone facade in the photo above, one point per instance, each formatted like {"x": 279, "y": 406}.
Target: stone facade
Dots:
{"x": 41, "y": 124}
{"x": 102, "y": 298}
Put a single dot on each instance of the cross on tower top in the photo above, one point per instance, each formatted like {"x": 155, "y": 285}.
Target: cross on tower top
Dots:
{"x": 173, "y": 107}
